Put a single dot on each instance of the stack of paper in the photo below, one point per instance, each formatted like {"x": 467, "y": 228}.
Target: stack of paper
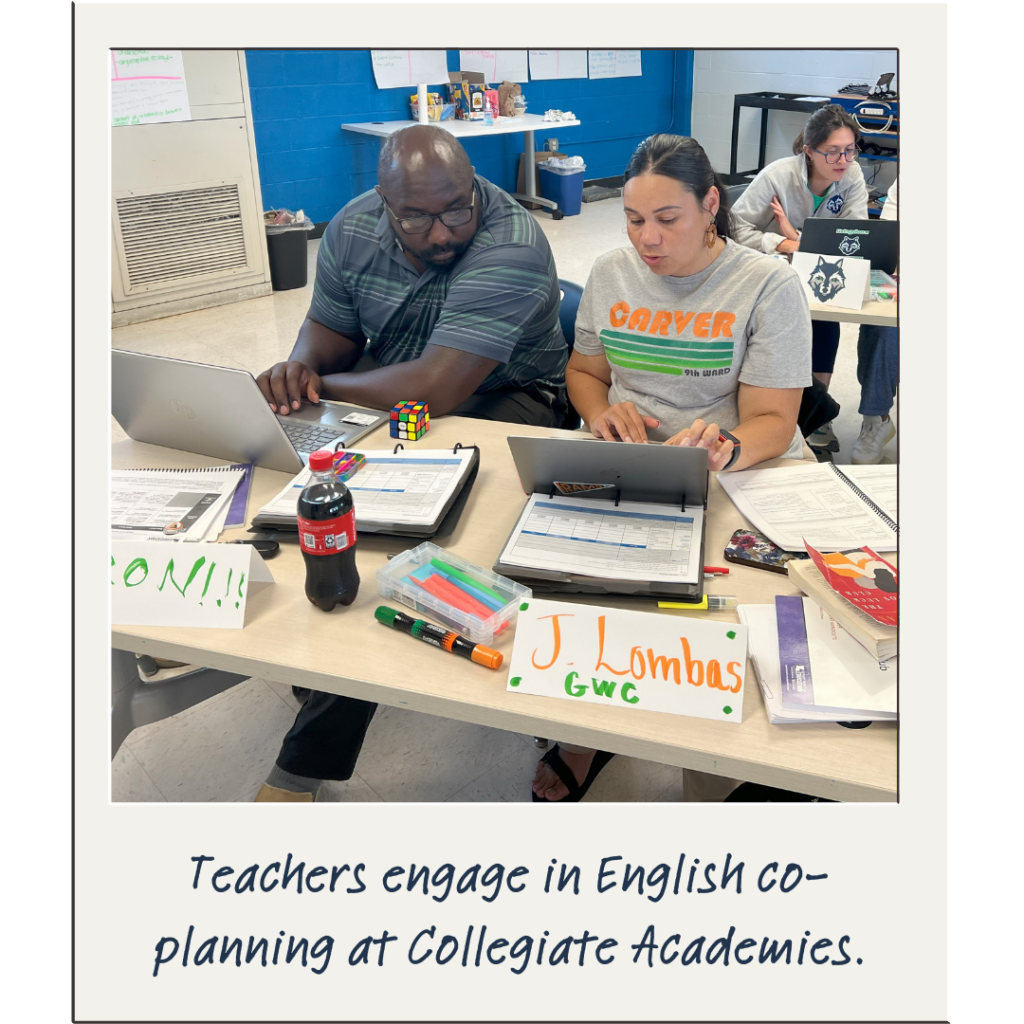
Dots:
{"x": 172, "y": 504}
{"x": 838, "y": 680}
{"x": 829, "y": 507}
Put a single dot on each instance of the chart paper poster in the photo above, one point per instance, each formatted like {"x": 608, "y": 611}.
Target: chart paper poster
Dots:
{"x": 614, "y": 63}
{"x": 496, "y": 65}
{"x": 546, "y": 64}
{"x": 396, "y": 69}
{"x": 147, "y": 87}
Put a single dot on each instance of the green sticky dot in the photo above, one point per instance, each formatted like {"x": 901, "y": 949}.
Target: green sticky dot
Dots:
{"x": 236, "y": 604}
{"x": 524, "y": 606}
{"x": 515, "y": 680}
{"x": 727, "y": 709}
{"x": 731, "y": 634}
{"x": 218, "y": 602}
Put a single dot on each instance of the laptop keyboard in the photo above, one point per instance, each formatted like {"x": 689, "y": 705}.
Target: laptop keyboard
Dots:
{"x": 310, "y": 437}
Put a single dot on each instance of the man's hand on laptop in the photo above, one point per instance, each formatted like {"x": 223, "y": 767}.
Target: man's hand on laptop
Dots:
{"x": 286, "y": 385}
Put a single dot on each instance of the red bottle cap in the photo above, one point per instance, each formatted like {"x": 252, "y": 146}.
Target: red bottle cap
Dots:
{"x": 322, "y": 461}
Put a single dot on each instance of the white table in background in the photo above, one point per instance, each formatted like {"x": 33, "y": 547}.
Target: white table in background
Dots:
{"x": 525, "y": 123}
{"x": 882, "y": 314}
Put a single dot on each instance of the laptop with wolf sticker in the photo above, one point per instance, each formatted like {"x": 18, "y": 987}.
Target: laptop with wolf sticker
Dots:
{"x": 874, "y": 240}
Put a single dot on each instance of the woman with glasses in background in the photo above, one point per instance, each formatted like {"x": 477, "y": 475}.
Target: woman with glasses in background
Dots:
{"x": 822, "y": 179}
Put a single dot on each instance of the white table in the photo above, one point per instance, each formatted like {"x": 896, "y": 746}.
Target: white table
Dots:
{"x": 525, "y": 123}
{"x": 882, "y": 314}
{"x": 348, "y": 651}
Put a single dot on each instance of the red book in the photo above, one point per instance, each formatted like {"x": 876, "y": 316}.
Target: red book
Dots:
{"x": 864, "y": 578}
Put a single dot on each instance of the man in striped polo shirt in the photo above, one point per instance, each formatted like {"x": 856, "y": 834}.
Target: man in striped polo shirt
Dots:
{"x": 446, "y": 282}
{"x": 451, "y": 287}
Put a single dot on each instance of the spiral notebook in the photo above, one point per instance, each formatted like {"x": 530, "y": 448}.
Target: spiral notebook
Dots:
{"x": 832, "y": 508}
{"x": 171, "y": 504}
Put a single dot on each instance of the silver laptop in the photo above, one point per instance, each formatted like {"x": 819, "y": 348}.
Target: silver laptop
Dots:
{"x": 221, "y": 412}
{"x": 664, "y": 474}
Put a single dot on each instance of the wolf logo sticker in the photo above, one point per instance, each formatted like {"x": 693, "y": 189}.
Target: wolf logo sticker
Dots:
{"x": 827, "y": 280}
{"x": 835, "y": 204}
{"x": 849, "y": 245}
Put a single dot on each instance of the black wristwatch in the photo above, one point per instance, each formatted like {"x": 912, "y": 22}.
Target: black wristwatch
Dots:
{"x": 724, "y": 435}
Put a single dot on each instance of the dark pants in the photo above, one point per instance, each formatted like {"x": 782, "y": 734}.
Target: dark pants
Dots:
{"x": 877, "y": 369}
{"x": 824, "y": 345}
{"x": 328, "y": 733}
{"x": 539, "y": 408}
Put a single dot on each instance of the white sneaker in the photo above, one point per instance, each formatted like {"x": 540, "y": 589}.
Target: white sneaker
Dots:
{"x": 824, "y": 438}
{"x": 875, "y": 434}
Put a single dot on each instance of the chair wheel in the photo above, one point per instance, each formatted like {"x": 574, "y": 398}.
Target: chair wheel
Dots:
{"x": 147, "y": 666}
{"x": 557, "y": 214}
{"x": 540, "y": 743}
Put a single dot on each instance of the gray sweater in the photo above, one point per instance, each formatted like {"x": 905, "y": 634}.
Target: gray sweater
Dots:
{"x": 753, "y": 222}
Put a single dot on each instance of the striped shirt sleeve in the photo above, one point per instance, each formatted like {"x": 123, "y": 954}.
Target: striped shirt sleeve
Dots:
{"x": 332, "y": 304}
{"x": 493, "y": 298}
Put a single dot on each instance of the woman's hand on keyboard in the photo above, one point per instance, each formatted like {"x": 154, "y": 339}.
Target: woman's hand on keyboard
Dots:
{"x": 287, "y": 384}
{"x": 623, "y": 422}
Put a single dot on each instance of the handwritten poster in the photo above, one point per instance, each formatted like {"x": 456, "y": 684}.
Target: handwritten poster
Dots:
{"x": 546, "y": 64}
{"x": 622, "y": 659}
{"x": 396, "y": 69}
{"x": 614, "y": 63}
{"x": 204, "y": 584}
{"x": 496, "y": 65}
{"x": 147, "y": 87}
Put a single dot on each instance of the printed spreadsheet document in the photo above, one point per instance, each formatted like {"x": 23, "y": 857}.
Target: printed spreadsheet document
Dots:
{"x": 631, "y": 541}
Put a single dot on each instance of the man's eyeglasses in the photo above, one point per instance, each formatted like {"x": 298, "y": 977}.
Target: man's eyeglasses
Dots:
{"x": 421, "y": 225}
{"x": 832, "y": 155}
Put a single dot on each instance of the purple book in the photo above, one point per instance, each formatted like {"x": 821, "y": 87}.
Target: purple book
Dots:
{"x": 794, "y": 658}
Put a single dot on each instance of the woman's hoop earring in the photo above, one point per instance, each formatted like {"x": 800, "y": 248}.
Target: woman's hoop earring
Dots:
{"x": 711, "y": 235}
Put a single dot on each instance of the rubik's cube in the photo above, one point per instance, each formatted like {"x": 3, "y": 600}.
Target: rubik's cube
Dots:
{"x": 410, "y": 420}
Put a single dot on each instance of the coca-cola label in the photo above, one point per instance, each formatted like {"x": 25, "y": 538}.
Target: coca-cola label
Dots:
{"x": 327, "y": 536}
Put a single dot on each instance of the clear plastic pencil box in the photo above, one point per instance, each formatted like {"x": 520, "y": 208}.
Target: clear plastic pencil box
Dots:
{"x": 394, "y": 583}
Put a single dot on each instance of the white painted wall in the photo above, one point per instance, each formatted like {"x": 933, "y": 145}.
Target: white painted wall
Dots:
{"x": 718, "y": 75}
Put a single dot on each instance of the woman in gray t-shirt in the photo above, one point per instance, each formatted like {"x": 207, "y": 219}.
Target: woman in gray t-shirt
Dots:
{"x": 678, "y": 335}
{"x": 685, "y": 331}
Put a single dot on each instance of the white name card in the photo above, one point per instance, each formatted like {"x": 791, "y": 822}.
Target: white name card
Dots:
{"x": 654, "y": 662}
{"x": 839, "y": 281}
{"x": 204, "y": 584}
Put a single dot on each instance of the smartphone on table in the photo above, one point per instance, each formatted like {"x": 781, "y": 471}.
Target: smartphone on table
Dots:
{"x": 748, "y": 547}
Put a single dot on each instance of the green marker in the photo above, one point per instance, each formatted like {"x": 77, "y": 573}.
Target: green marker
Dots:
{"x": 466, "y": 578}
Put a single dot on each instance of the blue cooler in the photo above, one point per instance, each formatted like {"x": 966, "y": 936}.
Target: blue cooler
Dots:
{"x": 562, "y": 185}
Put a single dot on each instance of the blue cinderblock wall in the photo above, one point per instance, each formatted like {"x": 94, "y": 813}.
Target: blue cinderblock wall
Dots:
{"x": 300, "y": 98}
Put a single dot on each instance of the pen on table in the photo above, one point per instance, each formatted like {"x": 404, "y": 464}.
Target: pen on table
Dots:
{"x": 715, "y": 570}
{"x": 446, "y": 639}
{"x": 711, "y": 603}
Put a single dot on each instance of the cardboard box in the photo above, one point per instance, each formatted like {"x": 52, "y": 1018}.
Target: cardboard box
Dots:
{"x": 467, "y": 91}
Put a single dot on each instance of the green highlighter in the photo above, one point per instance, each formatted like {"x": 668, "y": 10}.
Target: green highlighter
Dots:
{"x": 466, "y": 578}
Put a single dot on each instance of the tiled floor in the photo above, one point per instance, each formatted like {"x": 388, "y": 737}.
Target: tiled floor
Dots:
{"x": 222, "y": 749}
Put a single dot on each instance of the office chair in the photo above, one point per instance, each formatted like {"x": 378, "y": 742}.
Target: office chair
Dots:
{"x": 571, "y": 295}
{"x": 734, "y": 192}
{"x": 134, "y": 702}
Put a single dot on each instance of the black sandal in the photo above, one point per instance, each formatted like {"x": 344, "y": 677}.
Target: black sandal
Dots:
{"x": 576, "y": 791}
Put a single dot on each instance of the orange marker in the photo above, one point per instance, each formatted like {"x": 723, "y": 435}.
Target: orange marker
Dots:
{"x": 446, "y": 639}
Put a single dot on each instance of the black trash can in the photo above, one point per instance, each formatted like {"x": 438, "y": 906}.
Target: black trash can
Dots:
{"x": 286, "y": 247}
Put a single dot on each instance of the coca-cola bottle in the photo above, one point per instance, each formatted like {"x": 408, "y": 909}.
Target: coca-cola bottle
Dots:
{"x": 327, "y": 536}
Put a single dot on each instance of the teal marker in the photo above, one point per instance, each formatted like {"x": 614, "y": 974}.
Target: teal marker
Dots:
{"x": 466, "y": 578}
